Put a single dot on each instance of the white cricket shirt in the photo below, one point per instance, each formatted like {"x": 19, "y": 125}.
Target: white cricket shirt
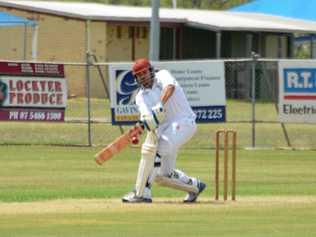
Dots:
{"x": 176, "y": 107}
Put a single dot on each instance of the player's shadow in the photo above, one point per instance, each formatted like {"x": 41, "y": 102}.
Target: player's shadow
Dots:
{"x": 198, "y": 202}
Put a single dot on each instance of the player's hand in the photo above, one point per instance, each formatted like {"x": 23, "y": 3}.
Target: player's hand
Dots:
{"x": 149, "y": 122}
{"x": 158, "y": 112}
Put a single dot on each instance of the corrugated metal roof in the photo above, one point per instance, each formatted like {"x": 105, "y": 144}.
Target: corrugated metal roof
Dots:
{"x": 213, "y": 20}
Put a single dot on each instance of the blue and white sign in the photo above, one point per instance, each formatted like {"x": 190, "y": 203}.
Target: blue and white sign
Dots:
{"x": 297, "y": 91}
{"x": 202, "y": 81}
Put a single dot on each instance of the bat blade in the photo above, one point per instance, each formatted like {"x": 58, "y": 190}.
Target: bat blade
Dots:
{"x": 118, "y": 144}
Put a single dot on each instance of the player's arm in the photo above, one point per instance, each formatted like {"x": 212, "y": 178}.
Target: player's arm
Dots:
{"x": 168, "y": 84}
{"x": 167, "y": 93}
{"x": 158, "y": 110}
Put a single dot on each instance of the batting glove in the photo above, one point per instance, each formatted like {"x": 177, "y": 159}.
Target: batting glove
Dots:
{"x": 158, "y": 113}
{"x": 149, "y": 122}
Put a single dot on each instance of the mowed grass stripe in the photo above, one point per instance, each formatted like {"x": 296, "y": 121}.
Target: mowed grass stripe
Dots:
{"x": 32, "y": 173}
{"x": 250, "y": 216}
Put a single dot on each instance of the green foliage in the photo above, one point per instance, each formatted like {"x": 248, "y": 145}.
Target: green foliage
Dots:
{"x": 199, "y": 4}
{"x": 302, "y": 51}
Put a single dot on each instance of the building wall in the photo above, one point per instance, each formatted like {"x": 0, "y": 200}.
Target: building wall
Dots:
{"x": 12, "y": 43}
{"x": 276, "y": 46}
{"x": 59, "y": 39}
{"x": 119, "y": 45}
{"x": 127, "y": 42}
{"x": 142, "y": 42}
{"x": 62, "y": 39}
{"x": 98, "y": 37}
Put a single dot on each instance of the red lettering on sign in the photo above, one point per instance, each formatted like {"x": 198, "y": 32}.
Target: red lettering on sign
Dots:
{"x": 19, "y": 85}
{"x": 59, "y": 99}
{"x": 58, "y": 86}
{"x": 20, "y": 99}
{"x": 27, "y": 86}
{"x": 44, "y": 98}
{"x": 52, "y": 99}
{"x": 12, "y": 96}
{"x": 11, "y": 85}
{"x": 50, "y": 85}
{"x": 36, "y": 98}
{"x": 43, "y": 85}
{"x": 28, "y": 98}
{"x": 35, "y": 86}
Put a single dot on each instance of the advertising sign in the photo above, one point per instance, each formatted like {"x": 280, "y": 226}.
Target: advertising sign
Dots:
{"x": 202, "y": 81}
{"x": 32, "y": 92}
{"x": 297, "y": 91}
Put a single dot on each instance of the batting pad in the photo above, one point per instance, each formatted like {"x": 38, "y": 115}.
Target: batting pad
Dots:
{"x": 146, "y": 164}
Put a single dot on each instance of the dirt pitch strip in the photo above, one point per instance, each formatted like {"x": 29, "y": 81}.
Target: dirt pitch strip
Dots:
{"x": 104, "y": 205}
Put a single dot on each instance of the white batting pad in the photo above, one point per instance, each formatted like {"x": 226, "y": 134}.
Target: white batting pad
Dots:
{"x": 146, "y": 164}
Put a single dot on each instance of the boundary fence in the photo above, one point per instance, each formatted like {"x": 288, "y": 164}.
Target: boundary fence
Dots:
{"x": 252, "y": 109}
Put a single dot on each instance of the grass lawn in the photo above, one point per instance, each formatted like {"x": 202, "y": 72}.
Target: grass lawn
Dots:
{"x": 269, "y": 132}
{"x": 50, "y": 191}
{"x": 59, "y": 191}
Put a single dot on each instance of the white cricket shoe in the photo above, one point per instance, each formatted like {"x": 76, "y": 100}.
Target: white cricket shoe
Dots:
{"x": 191, "y": 197}
{"x": 131, "y": 197}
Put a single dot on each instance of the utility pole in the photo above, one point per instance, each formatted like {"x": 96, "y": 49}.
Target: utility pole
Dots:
{"x": 174, "y": 4}
{"x": 174, "y": 35}
{"x": 154, "y": 31}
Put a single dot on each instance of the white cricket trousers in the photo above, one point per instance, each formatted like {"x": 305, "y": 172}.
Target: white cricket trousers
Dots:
{"x": 171, "y": 137}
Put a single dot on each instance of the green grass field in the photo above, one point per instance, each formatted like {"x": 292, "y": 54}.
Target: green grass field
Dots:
{"x": 268, "y": 131}
{"x": 48, "y": 191}
{"x": 51, "y": 187}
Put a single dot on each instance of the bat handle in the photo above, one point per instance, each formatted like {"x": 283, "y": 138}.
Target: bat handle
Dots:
{"x": 140, "y": 124}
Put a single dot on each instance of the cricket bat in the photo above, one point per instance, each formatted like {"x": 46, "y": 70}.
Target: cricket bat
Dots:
{"x": 130, "y": 136}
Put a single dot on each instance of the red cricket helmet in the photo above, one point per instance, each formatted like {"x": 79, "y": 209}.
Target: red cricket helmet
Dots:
{"x": 143, "y": 72}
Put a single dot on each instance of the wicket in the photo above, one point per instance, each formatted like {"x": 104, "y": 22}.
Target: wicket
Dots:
{"x": 230, "y": 136}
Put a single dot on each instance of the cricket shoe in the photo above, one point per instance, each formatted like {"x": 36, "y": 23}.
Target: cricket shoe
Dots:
{"x": 191, "y": 197}
{"x": 131, "y": 197}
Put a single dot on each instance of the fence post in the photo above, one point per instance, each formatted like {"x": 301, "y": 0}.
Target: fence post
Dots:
{"x": 275, "y": 100}
{"x": 255, "y": 57}
{"x": 88, "y": 63}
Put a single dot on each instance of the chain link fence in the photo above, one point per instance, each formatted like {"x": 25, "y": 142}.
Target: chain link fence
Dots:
{"x": 88, "y": 116}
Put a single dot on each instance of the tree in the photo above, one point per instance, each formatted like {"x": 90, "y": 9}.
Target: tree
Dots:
{"x": 197, "y": 4}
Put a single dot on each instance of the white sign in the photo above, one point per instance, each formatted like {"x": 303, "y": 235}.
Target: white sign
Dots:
{"x": 297, "y": 91}
{"x": 202, "y": 81}
{"x": 35, "y": 92}
{"x": 32, "y": 92}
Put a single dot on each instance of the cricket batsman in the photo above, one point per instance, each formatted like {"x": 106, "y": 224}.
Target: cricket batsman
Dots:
{"x": 170, "y": 123}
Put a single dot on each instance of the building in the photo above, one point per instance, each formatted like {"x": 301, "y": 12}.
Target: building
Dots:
{"x": 67, "y": 30}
